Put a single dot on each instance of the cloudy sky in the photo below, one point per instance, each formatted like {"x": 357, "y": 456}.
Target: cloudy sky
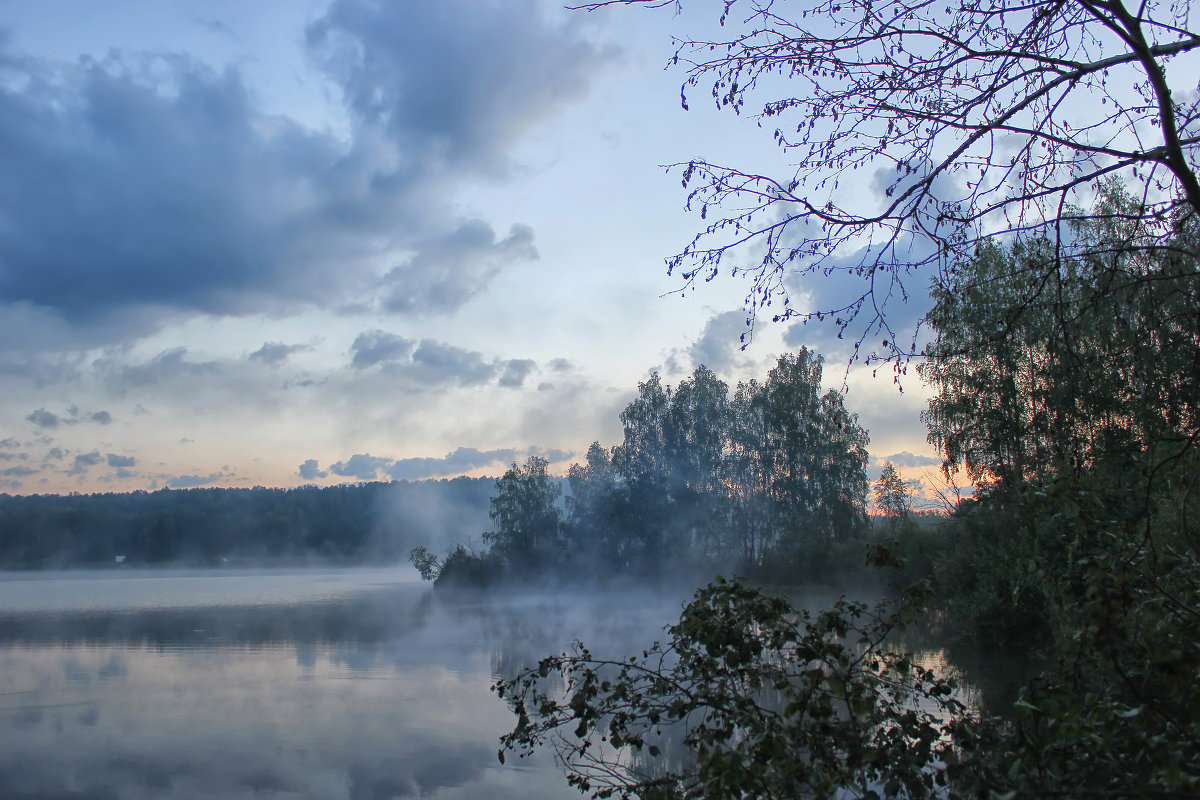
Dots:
{"x": 245, "y": 242}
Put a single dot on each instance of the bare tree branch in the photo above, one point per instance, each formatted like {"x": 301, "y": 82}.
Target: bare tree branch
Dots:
{"x": 980, "y": 119}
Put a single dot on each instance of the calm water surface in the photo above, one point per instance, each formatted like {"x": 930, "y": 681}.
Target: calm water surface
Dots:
{"x": 322, "y": 683}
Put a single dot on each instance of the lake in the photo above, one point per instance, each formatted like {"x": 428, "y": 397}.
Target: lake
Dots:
{"x": 284, "y": 683}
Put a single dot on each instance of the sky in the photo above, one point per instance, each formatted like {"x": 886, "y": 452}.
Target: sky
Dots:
{"x": 245, "y": 242}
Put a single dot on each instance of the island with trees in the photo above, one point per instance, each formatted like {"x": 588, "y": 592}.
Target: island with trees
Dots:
{"x": 768, "y": 479}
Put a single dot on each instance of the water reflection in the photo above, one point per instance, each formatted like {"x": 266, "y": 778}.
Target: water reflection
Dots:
{"x": 358, "y": 684}
{"x": 371, "y": 689}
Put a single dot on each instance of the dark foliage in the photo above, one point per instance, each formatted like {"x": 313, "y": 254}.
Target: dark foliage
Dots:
{"x": 372, "y": 522}
{"x": 749, "y": 697}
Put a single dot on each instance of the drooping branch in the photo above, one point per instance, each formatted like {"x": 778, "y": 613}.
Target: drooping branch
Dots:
{"x": 995, "y": 118}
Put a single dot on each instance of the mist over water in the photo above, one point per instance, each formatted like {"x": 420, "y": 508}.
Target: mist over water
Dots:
{"x": 159, "y": 589}
{"x": 324, "y": 683}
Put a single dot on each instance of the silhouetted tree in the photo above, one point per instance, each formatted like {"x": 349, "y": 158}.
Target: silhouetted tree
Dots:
{"x": 526, "y": 520}
{"x": 596, "y": 510}
{"x": 705, "y": 478}
{"x": 815, "y": 452}
{"x": 644, "y": 462}
{"x": 1039, "y": 372}
{"x": 892, "y": 495}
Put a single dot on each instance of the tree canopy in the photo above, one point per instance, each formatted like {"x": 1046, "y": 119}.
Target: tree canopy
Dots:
{"x": 526, "y": 520}
{"x": 774, "y": 473}
{"x": 1039, "y": 371}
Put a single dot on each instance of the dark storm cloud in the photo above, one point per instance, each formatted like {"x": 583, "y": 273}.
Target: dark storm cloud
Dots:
{"x": 446, "y": 272}
{"x": 151, "y": 184}
{"x": 311, "y": 471}
{"x": 123, "y": 191}
{"x": 275, "y": 353}
{"x": 44, "y": 419}
{"x": 436, "y": 363}
{"x": 193, "y": 481}
{"x": 163, "y": 368}
{"x": 464, "y": 459}
{"x": 363, "y": 466}
{"x": 85, "y": 460}
{"x": 377, "y": 347}
{"x": 456, "y": 81}
{"x": 901, "y": 298}
{"x": 115, "y": 460}
{"x": 366, "y": 467}
{"x": 553, "y": 455}
{"x": 430, "y": 363}
{"x": 49, "y": 420}
{"x": 516, "y": 371}
{"x": 720, "y": 342}
{"x": 9, "y": 443}
{"x": 18, "y": 472}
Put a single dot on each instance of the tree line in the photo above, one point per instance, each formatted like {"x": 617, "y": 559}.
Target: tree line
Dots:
{"x": 772, "y": 473}
{"x": 350, "y": 524}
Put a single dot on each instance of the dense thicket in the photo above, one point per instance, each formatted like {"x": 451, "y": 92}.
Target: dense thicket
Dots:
{"x": 1071, "y": 401}
{"x": 1047, "y": 365}
{"x": 371, "y": 522}
{"x": 770, "y": 479}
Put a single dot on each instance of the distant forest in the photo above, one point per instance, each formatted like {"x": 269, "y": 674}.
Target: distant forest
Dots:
{"x": 366, "y": 523}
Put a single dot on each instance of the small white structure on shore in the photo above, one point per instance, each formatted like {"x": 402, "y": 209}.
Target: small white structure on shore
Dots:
{"x": 120, "y": 559}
